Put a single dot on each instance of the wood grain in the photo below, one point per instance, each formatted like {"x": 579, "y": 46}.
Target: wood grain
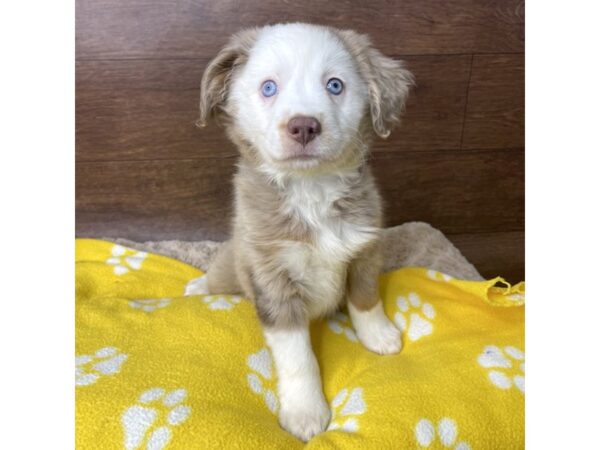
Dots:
{"x": 495, "y": 116}
{"x": 455, "y": 191}
{"x": 120, "y": 29}
{"x": 191, "y": 199}
{"x": 147, "y": 200}
{"x": 494, "y": 254}
{"x": 138, "y": 110}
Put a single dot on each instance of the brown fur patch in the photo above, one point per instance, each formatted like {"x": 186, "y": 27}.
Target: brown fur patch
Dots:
{"x": 389, "y": 82}
{"x": 217, "y": 76}
{"x": 363, "y": 274}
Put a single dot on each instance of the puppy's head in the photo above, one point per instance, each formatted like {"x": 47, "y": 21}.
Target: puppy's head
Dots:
{"x": 298, "y": 97}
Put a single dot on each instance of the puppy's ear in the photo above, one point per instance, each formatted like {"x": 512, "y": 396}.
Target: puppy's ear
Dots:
{"x": 387, "y": 79}
{"x": 216, "y": 79}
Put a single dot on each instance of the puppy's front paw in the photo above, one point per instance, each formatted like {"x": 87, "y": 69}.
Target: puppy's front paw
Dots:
{"x": 304, "y": 419}
{"x": 384, "y": 339}
{"x": 375, "y": 331}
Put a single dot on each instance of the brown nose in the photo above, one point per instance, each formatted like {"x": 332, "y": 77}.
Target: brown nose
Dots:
{"x": 304, "y": 129}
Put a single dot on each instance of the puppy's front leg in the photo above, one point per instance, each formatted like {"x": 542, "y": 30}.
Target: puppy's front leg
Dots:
{"x": 374, "y": 330}
{"x": 303, "y": 409}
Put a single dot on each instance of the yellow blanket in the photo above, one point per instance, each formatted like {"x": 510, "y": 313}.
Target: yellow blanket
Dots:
{"x": 157, "y": 369}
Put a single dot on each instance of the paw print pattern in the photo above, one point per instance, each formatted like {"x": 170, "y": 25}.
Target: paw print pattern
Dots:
{"x": 261, "y": 378}
{"x": 340, "y": 324}
{"x": 197, "y": 286}
{"x": 446, "y": 433}
{"x": 221, "y": 302}
{"x": 345, "y": 409}
{"x": 418, "y": 323}
{"x": 89, "y": 368}
{"x": 151, "y": 304}
{"x": 438, "y": 276}
{"x": 516, "y": 297}
{"x": 125, "y": 259}
{"x": 152, "y": 419}
{"x": 504, "y": 375}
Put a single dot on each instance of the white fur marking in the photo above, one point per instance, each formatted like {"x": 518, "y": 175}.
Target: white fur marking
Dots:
{"x": 374, "y": 330}
{"x": 303, "y": 409}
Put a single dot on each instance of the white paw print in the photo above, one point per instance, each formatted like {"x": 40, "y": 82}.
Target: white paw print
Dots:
{"x": 197, "y": 286}
{"x": 447, "y": 433}
{"x": 223, "y": 302}
{"x": 262, "y": 366}
{"x": 438, "y": 276}
{"x": 151, "y": 304}
{"x": 493, "y": 357}
{"x": 345, "y": 409}
{"x": 123, "y": 259}
{"x": 89, "y": 368}
{"x": 340, "y": 324}
{"x": 418, "y": 323}
{"x": 153, "y": 418}
{"x": 516, "y": 297}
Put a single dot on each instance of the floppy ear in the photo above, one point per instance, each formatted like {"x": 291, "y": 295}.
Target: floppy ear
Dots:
{"x": 216, "y": 79}
{"x": 387, "y": 79}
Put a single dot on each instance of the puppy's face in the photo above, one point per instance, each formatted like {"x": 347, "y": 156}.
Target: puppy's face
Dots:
{"x": 301, "y": 97}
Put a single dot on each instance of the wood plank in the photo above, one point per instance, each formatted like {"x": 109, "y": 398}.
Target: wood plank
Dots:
{"x": 495, "y": 116}
{"x": 140, "y": 74}
{"x": 145, "y": 200}
{"x": 146, "y": 109}
{"x": 140, "y": 124}
{"x": 175, "y": 29}
{"x": 434, "y": 114}
{"x": 455, "y": 191}
{"x": 494, "y": 254}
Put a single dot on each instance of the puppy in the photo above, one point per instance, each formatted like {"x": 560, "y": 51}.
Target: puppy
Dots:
{"x": 303, "y": 103}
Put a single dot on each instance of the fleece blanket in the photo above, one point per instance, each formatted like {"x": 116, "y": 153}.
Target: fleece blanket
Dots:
{"x": 156, "y": 368}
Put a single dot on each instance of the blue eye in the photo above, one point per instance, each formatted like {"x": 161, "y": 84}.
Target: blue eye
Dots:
{"x": 269, "y": 88}
{"x": 335, "y": 86}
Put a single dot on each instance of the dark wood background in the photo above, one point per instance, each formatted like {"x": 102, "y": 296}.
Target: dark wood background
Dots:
{"x": 145, "y": 172}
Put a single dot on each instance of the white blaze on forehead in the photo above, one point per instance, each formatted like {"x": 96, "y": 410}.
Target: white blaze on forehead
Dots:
{"x": 299, "y": 48}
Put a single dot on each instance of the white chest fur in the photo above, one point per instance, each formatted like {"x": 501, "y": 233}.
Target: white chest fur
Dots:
{"x": 321, "y": 267}
{"x": 312, "y": 201}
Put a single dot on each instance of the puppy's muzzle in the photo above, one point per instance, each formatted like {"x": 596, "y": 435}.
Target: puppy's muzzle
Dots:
{"x": 303, "y": 129}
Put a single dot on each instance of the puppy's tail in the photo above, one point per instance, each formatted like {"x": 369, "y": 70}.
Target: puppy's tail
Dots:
{"x": 221, "y": 275}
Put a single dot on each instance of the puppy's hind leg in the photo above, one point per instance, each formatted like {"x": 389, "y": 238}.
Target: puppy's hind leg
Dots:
{"x": 221, "y": 276}
{"x": 373, "y": 328}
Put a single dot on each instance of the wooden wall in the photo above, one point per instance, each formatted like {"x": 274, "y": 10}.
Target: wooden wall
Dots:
{"x": 145, "y": 172}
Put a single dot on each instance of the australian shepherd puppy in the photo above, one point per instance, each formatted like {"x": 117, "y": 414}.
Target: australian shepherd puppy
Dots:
{"x": 303, "y": 103}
